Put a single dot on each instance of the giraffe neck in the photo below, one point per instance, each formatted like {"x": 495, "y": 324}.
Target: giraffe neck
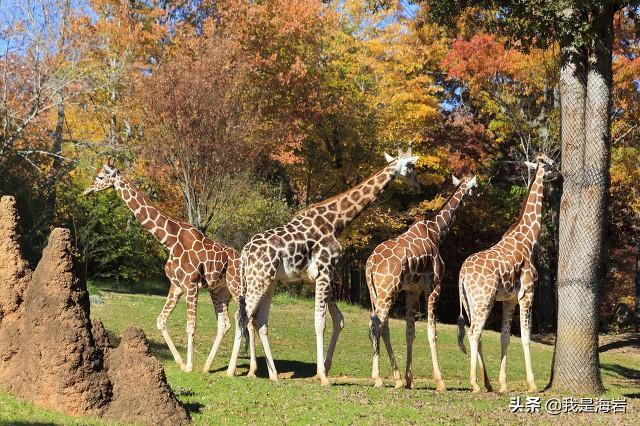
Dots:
{"x": 149, "y": 217}
{"x": 527, "y": 229}
{"x": 443, "y": 218}
{"x": 343, "y": 208}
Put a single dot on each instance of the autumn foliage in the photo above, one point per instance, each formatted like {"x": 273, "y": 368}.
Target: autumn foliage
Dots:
{"x": 234, "y": 114}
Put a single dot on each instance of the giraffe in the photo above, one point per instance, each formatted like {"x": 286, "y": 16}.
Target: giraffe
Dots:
{"x": 506, "y": 273}
{"x": 195, "y": 261}
{"x": 307, "y": 249}
{"x": 411, "y": 262}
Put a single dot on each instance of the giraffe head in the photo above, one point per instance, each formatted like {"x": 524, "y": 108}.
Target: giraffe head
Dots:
{"x": 405, "y": 165}
{"x": 544, "y": 163}
{"x": 105, "y": 178}
{"x": 469, "y": 182}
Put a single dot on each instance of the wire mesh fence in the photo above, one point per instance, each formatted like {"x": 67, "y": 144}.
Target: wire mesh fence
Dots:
{"x": 583, "y": 220}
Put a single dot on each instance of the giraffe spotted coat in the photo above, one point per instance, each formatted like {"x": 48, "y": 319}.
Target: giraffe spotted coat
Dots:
{"x": 410, "y": 262}
{"x": 307, "y": 249}
{"x": 504, "y": 272}
{"x": 195, "y": 261}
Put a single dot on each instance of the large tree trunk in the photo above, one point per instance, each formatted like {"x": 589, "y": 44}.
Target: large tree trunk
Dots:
{"x": 637, "y": 307}
{"x": 585, "y": 85}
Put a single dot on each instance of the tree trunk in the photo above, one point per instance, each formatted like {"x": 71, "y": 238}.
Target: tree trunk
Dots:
{"x": 585, "y": 85}
{"x": 637, "y": 307}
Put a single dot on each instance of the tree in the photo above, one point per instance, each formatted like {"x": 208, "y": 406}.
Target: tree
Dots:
{"x": 199, "y": 124}
{"x": 42, "y": 74}
{"x": 584, "y": 32}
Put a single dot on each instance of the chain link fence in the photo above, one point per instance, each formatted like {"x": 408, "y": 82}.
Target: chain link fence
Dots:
{"x": 582, "y": 237}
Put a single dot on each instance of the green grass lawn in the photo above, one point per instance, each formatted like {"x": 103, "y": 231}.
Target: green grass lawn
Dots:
{"x": 216, "y": 399}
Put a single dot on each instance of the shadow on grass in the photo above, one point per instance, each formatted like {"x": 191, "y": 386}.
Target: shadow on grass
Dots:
{"x": 298, "y": 369}
{"x": 193, "y": 407}
{"x": 632, "y": 395}
{"x": 633, "y": 342}
{"x": 156, "y": 288}
{"x": 19, "y": 423}
{"x": 627, "y": 373}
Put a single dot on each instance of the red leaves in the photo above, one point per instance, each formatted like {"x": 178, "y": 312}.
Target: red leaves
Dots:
{"x": 482, "y": 57}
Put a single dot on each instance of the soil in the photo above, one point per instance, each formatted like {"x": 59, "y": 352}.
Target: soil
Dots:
{"x": 53, "y": 354}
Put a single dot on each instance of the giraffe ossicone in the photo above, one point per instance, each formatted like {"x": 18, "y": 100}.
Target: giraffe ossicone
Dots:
{"x": 411, "y": 262}
{"x": 307, "y": 248}
{"x": 505, "y": 272}
{"x": 194, "y": 261}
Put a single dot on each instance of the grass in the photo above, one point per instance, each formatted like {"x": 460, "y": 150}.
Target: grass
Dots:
{"x": 214, "y": 398}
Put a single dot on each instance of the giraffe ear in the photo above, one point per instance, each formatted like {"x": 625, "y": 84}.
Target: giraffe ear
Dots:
{"x": 111, "y": 162}
{"x": 388, "y": 157}
{"x": 455, "y": 180}
{"x": 530, "y": 165}
{"x": 473, "y": 182}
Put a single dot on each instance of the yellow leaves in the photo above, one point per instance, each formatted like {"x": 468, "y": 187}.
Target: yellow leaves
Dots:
{"x": 428, "y": 206}
{"x": 430, "y": 160}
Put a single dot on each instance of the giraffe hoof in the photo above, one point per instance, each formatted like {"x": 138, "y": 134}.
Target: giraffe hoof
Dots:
{"x": 407, "y": 386}
{"x": 188, "y": 368}
{"x": 324, "y": 381}
{"x": 274, "y": 379}
{"x": 503, "y": 389}
{"x": 231, "y": 373}
{"x": 532, "y": 388}
{"x": 251, "y": 374}
{"x": 440, "y": 387}
{"x": 476, "y": 389}
{"x": 378, "y": 382}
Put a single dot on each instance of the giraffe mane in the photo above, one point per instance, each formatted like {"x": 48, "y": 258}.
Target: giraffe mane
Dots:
{"x": 149, "y": 202}
{"x": 434, "y": 213}
{"x": 335, "y": 197}
{"x": 523, "y": 204}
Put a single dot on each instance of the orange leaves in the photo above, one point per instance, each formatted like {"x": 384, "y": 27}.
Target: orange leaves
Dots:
{"x": 482, "y": 57}
{"x": 484, "y": 60}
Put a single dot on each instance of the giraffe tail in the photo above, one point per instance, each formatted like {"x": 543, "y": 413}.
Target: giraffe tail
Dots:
{"x": 373, "y": 296}
{"x": 461, "y": 321}
{"x": 242, "y": 306}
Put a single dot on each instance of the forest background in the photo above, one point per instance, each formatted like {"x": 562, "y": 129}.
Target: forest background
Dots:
{"x": 233, "y": 115}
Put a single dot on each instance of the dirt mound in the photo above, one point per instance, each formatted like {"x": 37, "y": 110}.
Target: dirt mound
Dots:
{"x": 57, "y": 363}
{"x": 53, "y": 354}
{"x": 14, "y": 270}
{"x": 149, "y": 393}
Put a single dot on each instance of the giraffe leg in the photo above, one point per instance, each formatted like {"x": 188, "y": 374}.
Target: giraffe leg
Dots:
{"x": 508, "y": 307}
{"x": 161, "y": 323}
{"x": 237, "y": 340}
{"x": 412, "y": 300}
{"x": 525, "y": 335}
{"x": 374, "y": 325}
{"x": 323, "y": 287}
{"x": 337, "y": 319}
{"x": 478, "y": 319}
{"x": 431, "y": 325}
{"x": 262, "y": 320}
{"x": 483, "y": 367}
{"x": 384, "y": 332}
{"x": 192, "y": 302}
{"x": 253, "y": 362}
{"x": 220, "y": 299}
